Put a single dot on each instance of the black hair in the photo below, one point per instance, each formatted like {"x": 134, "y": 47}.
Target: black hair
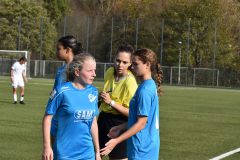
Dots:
{"x": 125, "y": 48}
{"x": 23, "y": 58}
{"x": 147, "y": 55}
{"x": 71, "y": 42}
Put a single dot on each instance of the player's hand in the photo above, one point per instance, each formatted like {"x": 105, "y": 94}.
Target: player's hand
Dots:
{"x": 109, "y": 147}
{"x": 47, "y": 154}
{"x": 105, "y": 97}
{"x": 114, "y": 132}
{"x": 25, "y": 80}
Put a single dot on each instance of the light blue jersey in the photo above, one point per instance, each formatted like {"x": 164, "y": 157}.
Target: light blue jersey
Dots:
{"x": 145, "y": 144}
{"x": 60, "y": 78}
{"x": 75, "y": 110}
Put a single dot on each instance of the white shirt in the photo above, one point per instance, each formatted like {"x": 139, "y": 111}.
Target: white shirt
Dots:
{"x": 18, "y": 69}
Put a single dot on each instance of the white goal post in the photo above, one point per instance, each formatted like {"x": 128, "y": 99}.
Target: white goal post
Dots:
{"x": 17, "y": 55}
{"x": 14, "y": 52}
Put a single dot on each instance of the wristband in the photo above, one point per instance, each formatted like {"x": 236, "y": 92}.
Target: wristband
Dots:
{"x": 112, "y": 103}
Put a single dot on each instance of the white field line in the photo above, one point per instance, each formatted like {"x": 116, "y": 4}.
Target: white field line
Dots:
{"x": 44, "y": 84}
{"x": 36, "y": 83}
{"x": 199, "y": 88}
{"x": 226, "y": 154}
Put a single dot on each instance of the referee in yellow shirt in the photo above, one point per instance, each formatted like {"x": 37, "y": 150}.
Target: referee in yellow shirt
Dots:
{"x": 119, "y": 87}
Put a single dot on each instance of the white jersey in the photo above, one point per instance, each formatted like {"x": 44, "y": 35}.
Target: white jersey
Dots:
{"x": 18, "y": 70}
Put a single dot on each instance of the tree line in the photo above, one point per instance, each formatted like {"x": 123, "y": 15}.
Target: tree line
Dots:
{"x": 205, "y": 31}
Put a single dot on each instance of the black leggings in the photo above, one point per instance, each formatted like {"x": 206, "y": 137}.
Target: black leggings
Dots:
{"x": 105, "y": 122}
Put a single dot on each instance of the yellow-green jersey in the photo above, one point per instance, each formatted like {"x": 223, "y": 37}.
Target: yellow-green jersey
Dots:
{"x": 122, "y": 90}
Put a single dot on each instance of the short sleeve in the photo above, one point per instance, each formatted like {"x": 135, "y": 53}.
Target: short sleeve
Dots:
{"x": 96, "y": 110}
{"x": 94, "y": 94}
{"x": 108, "y": 74}
{"x": 25, "y": 65}
{"x": 25, "y": 69}
{"x": 14, "y": 66}
{"x": 54, "y": 102}
{"x": 96, "y": 106}
{"x": 131, "y": 87}
{"x": 144, "y": 103}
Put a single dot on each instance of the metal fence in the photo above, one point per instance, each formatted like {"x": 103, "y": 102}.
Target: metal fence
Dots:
{"x": 191, "y": 76}
{"x": 188, "y": 76}
{"x": 45, "y": 68}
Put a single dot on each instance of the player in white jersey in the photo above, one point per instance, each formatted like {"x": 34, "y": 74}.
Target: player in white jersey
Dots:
{"x": 18, "y": 77}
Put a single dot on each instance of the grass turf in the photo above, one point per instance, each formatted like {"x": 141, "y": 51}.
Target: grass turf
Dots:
{"x": 195, "y": 123}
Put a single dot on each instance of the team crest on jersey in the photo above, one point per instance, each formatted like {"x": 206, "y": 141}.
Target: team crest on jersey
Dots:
{"x": 91, "y": 97}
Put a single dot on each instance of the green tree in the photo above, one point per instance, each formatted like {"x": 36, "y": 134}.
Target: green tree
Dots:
{"x": 56, "y": 9}
{"x": 212, "y": 33}
{"x": 30, "y": 14}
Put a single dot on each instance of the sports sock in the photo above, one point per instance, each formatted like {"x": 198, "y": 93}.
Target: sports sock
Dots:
{"x": 15, "y": 97}
{"x": 22, "y": 98}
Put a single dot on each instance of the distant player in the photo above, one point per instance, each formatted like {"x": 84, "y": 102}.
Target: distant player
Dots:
{"x": 18, "y": 77}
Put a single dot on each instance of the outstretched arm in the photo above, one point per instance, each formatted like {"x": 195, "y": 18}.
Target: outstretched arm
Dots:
{"x": 47, "y": 149}
{"x": 117, "y": 130}
{"x": 138, "y": 126}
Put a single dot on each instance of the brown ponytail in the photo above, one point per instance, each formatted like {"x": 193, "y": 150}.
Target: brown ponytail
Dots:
{"x": 158, "y": 76}
{"x": 147, "y": 55}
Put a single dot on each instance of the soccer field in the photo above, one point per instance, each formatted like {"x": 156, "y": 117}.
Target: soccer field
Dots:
{"x": 195, "y": 123}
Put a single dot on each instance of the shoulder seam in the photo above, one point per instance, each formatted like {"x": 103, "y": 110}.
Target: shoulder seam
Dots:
{"x": 62, "y": 92}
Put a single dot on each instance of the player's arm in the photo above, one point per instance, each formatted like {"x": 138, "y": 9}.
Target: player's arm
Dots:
{"x": 11, "y": 74}
{"x": 94, "y": 132}
{"x": 123, "y": 110}
{"x": 138, "y": 126}
{"x": 24, "y": 76}
{"x": 54, "y": 103}
{"x": 47, "y": 149}
{"x": 107, "y": 99}
{"x": 12, "y": 71}
{"x": 105, "y": 96}
{"x": 117, "y": 130}
{"x": 130, "y": 88}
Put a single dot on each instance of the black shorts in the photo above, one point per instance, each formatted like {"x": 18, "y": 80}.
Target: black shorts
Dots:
{"x": 105, "y": 122}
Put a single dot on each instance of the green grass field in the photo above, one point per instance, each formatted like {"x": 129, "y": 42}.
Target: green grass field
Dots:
{"x": 195, "y": 123}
